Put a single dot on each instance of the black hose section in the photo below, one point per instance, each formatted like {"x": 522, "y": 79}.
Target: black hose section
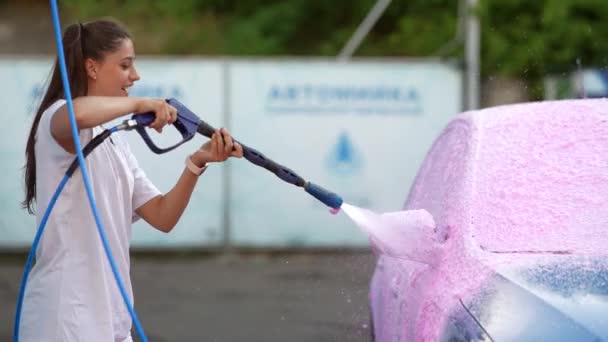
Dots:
{"x": 259, "y": 159}
{"x": 88, "y": 149}
{"x": 279, "y": 170}
{"x": 205, "y": 129}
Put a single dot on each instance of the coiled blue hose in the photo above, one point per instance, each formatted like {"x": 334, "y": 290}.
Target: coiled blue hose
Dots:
{"x": 85, "y": 176}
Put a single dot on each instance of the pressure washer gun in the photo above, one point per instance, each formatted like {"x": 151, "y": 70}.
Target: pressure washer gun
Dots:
{"x": 188, "y": 124}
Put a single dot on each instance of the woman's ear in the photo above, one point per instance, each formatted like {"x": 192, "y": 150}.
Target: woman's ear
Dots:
{"x": 90, "y": 67}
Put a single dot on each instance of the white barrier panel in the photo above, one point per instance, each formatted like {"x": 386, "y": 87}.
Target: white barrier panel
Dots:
{"x": 360, "y": 130}
{"x": 19, "y": 97}
{"x": 195, "y": 83}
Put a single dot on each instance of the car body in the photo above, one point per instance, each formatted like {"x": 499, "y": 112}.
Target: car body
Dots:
{"x": 514, "y": 245}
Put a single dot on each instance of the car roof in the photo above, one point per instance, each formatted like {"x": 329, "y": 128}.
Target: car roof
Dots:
{"x": 533, "y": 177}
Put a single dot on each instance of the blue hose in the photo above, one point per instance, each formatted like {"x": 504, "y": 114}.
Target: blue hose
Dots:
{"x": 77, "y": 147}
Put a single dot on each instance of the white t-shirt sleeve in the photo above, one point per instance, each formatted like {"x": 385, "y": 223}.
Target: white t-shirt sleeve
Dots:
{"x": 48, "y": 145}
{"x": 143, "y": 189}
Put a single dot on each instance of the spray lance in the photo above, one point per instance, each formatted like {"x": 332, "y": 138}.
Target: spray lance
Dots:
{"x": 188, "y": 124}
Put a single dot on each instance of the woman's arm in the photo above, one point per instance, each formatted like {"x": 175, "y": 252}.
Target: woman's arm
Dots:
{"x": 91, "y": 111}
{"x": 163, "y": 212}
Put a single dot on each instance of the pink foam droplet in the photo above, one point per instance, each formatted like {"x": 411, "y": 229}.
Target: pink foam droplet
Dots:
{"x": 334, "y": 211}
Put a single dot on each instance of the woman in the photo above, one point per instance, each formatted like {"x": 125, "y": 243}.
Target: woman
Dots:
{"x": 71, "y": 293}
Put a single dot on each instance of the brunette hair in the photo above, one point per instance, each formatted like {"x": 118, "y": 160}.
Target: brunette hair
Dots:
{"x": 80, "y": 41}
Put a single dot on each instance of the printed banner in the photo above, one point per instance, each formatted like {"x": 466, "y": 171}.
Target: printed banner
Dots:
{"x": 358, "y": 129}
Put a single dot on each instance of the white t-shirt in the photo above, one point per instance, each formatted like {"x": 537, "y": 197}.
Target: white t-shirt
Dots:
{"x": 71, "y": 294}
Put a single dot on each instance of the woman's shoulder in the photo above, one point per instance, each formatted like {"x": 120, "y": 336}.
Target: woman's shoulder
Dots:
{"x": 47, "y": 113}
{"x": 53, "y": 107}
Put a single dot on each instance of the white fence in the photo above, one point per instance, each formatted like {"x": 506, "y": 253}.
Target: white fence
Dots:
{"x": 359, "y": 129}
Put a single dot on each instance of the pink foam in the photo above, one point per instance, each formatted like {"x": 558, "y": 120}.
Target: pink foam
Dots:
{"x": 498, "y": 183}
{"x": 407, "y": 234}
{"x": 560, "y": 202}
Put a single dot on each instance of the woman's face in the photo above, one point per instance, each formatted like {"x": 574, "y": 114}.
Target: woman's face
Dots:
{"x": 114, "y": 74}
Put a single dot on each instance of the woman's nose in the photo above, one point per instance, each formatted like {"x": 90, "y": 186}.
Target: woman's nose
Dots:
{"x": 134, "y": 75}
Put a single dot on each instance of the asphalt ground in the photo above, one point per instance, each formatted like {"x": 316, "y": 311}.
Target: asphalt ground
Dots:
{"x": 233, "y": 297}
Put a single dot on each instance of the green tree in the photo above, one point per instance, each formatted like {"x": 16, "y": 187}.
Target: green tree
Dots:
{"x": 520, "y": 38}
{"x": 274, "y": 27}
{"x": 531, "y": 39}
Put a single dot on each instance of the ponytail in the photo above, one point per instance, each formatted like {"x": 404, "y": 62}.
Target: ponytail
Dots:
{"x": 80, "y": 41}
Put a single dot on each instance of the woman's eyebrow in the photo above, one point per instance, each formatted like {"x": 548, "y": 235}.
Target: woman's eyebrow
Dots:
{"x": 129, "y": 58}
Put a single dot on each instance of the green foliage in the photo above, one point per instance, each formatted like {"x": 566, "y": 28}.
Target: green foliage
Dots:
{"x": 533, "y": 38}
{"x": 520, "y": 38}
{"x": 275, "y": 27}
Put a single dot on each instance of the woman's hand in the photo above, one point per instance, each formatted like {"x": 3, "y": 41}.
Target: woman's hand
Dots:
{"x": 218, "y": 149}
{"x": 164, "y": 113}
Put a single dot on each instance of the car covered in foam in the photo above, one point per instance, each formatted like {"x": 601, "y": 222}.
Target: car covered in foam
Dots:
{"x": 504, "y": 234}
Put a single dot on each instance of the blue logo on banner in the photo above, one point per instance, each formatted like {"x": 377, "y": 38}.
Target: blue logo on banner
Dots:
{"x": 362, "y": 99}
{"x": 343, "y": 158}
{"x": 36, "y": 92}
{"x": 158, "y": 90}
